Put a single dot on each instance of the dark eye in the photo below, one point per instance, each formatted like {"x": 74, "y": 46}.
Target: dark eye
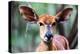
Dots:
{"x": 53, "y": 23}
{"x": 41, "y": 24}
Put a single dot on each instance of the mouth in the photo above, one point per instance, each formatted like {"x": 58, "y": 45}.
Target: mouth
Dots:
{"x": 48, "y": 39}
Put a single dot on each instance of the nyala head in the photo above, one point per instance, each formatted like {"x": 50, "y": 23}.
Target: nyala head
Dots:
{"x": 45, "y": 21}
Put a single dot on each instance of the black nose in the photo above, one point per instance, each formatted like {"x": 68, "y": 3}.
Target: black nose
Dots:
{"x": 48, "y": 36}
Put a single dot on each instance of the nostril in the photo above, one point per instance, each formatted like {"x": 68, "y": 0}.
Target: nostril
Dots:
{"x": 48, "y": 34}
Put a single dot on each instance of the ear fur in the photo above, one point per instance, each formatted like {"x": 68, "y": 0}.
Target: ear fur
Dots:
{"x": 62, "y": 15}
{"x": 28, "y": 13}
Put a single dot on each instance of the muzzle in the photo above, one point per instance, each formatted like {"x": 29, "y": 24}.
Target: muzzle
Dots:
{"x": 48, "y": 36}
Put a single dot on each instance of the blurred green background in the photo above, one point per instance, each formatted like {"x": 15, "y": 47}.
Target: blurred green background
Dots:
{"x": 25, "y": 37}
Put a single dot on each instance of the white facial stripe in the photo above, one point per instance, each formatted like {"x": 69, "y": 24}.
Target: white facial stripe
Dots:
{"x": 50, "y": 28}
{"x": 42, "y": 31}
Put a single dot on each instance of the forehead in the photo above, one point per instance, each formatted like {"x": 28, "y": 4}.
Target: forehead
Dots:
{"x": 47, "y": 19}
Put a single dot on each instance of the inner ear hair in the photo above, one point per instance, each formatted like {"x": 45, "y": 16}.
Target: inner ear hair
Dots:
{"x": 30, "y": 14}
{"x": 62, "y": 14}
{"x": 26, "y": 8}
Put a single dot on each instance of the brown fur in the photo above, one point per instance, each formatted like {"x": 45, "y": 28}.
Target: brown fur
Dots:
{"x": 47, "y": 19}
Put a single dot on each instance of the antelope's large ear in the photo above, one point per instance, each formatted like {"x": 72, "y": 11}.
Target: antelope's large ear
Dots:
{"x": 64, "y": 15}
{"x": 28, "y": 13}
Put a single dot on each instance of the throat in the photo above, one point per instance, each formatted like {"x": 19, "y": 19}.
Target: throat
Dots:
{"x": 49, "y": 45}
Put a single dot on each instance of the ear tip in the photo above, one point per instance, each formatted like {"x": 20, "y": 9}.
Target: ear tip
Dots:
{"x": 23, "y": 7}
{"x": 68, "y": 9}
